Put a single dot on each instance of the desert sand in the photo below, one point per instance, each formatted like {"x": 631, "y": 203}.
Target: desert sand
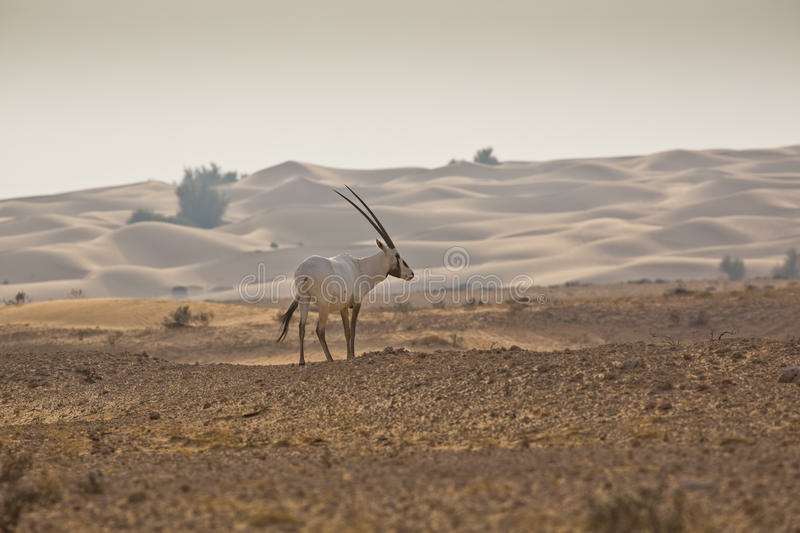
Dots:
{"x": 665, "y": 215}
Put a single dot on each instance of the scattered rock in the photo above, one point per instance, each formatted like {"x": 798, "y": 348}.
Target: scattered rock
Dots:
{"x": 790, "y": 374}
{"x": 93, "y": 484}
{"x": 154, "y": 416}
{"x": 661, "y": 386}
{"x": 137, "y": 497}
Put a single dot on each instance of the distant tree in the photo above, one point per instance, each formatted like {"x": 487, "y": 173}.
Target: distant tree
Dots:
{"x": 212, "y": 174}
{"x": 201, "y": 203}
{"x": 790, "y": 269}
{"x": 733, "y": 267}
{"x": 485, "y": 156}
{"x": 20, "y": 298}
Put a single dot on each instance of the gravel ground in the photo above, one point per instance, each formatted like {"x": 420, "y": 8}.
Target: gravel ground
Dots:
{"x": 642, "y": 436}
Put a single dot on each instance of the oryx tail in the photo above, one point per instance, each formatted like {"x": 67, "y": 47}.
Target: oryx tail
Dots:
{"x": 285, "y": 319}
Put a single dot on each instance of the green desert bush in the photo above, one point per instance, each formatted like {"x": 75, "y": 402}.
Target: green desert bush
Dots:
{"x": 485, "y": 156}
{"x": 790, "y": 269}
{"x": 200, "y": 201}
{"x": 733, "y": 267}
{"x": 148, "y": 215}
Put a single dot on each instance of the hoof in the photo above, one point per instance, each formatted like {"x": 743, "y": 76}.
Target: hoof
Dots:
{"x": 301, "y": 363}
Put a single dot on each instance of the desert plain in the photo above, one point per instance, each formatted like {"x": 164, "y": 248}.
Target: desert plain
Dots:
{"x": 613, "y": 397}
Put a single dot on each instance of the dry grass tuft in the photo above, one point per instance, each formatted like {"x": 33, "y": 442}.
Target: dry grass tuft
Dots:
{"x": 183, "y": 317}
{"x": 655, "y": 510}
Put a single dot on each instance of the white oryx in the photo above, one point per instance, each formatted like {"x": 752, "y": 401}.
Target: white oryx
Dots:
{"x": 340, "y": 283}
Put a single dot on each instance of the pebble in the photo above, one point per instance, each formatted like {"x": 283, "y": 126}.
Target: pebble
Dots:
{"x": 790, "y": 374}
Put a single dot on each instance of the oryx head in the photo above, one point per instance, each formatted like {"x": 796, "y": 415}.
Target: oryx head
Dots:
{"x": 395, "y": 265}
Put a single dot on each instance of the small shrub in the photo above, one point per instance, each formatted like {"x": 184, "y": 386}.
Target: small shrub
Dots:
{"x": 20, "y": 298}
{"x": 642, "y": 510}
{"x": 13, "y": 466}
{"x": 93, "y": 484}
{"x": 75, "y": 294}
{"x": 273, "y": 245}
{"x": 485, "y": 156}
{"x": 148, "y": 215}
{"x": 113, "y": 337}
{"x": 456, "y": 340}
{"x": 183, "y": 317}
{"x": 19, "y": 491}
{"x": 430, "y": 340}
{"x": 733, "y": 267}
{"x": 790, "y": 269}
{"x": 680, "y": 290}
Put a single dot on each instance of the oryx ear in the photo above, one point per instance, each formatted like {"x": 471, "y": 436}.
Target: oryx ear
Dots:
{"x": 380, "y": 244}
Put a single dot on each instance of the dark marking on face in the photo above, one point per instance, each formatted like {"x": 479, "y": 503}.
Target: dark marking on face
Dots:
{"x": 395, "y": 270}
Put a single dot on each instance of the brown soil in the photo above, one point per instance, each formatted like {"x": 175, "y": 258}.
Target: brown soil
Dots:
{"x": 683, "y": 431}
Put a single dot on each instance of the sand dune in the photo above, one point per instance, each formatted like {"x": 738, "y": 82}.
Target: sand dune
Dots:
{"x": 670, "y": 215}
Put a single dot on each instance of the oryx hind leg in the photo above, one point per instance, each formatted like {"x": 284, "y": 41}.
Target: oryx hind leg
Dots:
{"x": 346, "y": 327}
{"x": 302, "y": 331}
{"x": 322, "y": 321}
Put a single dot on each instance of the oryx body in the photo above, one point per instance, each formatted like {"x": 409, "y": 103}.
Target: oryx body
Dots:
{"x": 340, "y": 283}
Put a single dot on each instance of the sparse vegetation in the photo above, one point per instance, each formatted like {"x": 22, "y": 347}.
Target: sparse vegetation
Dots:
{"x": 456, "y": 340}
{"x": 652, "y": 510}
{"x": 273, "y": 245}
{"x": 184, "y": 317}
{"x": 733, "y": 267}
{"x": 148, "y": 215}
{"x": 485, "y": 156}
{"x": 790, "y": 269}
{"x": 113, "y": 337}
{"x": 680, "y": 290}
{"x": 20, "y": 490}
{"x": 19, "y": 299}
{"x": 201, "y": 203}
{"x": 75, "y": 294}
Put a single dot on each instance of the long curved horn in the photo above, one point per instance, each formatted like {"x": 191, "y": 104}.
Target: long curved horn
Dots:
{"x": 377, "y": 220}
{"x": 380, "y": 230}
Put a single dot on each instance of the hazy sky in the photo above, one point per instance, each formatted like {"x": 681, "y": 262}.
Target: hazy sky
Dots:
{"x": 103, "y": 92}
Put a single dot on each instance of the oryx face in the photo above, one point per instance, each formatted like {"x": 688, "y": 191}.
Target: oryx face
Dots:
{"x": 397, "y": 265}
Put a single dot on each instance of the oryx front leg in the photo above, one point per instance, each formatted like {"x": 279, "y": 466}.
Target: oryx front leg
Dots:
{"x": 321, "y": 322}
{"x": 351, "y": 345}
{"x": 346, "y": 327}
